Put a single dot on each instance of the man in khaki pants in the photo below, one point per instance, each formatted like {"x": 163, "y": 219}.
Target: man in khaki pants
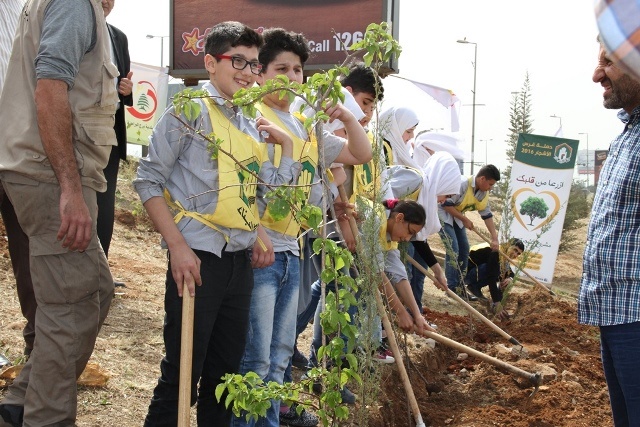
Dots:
{"x": 56, "y": 128}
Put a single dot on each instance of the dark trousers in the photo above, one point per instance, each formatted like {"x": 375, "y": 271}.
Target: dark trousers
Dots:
{"x": 619, "y": 346}
{"x": 107, "y": 201}
{"x": 19, "y": 252}
{"x": 221, "y": 318}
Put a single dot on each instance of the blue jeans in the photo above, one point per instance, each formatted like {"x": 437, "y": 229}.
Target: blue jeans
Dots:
{"x": 620, "y": 346}
{"x": 272, "y": 322}
{"x": 416, "y": 277}
{"x": 455, "y": 240}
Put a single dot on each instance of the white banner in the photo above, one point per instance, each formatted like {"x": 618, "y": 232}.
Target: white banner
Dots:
{"x": 541, "y": 178}
{"x": 149, "y": 101}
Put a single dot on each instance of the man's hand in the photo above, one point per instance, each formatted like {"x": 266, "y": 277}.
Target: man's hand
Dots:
{"x": 75, "y": 222}
{"x": 126, "y": 85}
{"x": 506, "y": 282}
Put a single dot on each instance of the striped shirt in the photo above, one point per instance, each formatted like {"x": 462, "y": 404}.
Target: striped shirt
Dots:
{"x": 9, "y": 13}
{"x": 619, "y": 25}
{"x": 610, "y": 287}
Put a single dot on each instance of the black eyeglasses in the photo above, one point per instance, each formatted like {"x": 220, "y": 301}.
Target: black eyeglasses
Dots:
{"x": 411, "y": 232}
{"x": 240, "y": 63}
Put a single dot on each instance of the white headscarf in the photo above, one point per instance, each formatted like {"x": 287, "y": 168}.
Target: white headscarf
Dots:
{"x": 441, "y": 177}
{"x": 436, "y": 141}
{"x": 393, "y": 123}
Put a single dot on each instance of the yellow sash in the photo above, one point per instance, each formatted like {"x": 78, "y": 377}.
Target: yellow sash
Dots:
{"x": 381, "y": 212}
{"x": 236, "y": 207}
{"x": 469, "y": 201}
{"x": 306, "y": 152}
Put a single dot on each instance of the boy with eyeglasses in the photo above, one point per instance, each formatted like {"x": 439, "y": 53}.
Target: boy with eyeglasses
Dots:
{"x": 205, "y": 208}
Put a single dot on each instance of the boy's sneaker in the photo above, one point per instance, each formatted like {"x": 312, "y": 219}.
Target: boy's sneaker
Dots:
{"x": 298, "y": 360}
{"x": 477, "y": 293}
{"x": 291, "y": 418}
{"x": 384, "y": 355}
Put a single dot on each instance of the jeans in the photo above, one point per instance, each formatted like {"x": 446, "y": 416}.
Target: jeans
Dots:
{"x": 272, "y": 322}
{"x": 221, "y": 316}
{"x": 456, "y": 245}
{"x": 416, "y": 277}
{"x": 620, "y": 346}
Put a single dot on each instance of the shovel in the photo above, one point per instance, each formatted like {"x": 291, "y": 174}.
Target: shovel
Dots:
{"x": 466, "y": 305}
{"x": 186, "y": 357}
{"x": 515, "y": 264}
{"x": 535, "y": 379}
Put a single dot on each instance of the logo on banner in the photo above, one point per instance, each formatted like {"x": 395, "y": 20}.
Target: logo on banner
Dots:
{"x": 534, "y": 209}
{"x": 562, "y": 153}
{"x": 194, "y": 41}
{"x": 146, "y": 101}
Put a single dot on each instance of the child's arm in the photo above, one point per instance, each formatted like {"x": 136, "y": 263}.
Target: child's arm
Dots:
{"x": 261, "y": 258}
{"x": 403, "y": 318}
{"x": 185, "y": 265}
{"x": 358, "y": 148}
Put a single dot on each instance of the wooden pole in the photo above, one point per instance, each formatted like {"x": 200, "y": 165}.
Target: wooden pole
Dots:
{"x": 465, "y": 304}
{"x": 413, "y": 402}
{"x": 186, "y": 357}
{"x": 546, "y": 288}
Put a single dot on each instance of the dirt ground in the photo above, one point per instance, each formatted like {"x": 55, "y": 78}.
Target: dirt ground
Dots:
{"x": 450, "y": 390}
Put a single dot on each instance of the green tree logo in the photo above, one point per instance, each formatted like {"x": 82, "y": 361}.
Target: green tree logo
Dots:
{"x": 534, "y": 207}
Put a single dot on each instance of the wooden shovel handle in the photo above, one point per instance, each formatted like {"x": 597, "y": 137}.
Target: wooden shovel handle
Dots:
{"x": 186, "y": 357}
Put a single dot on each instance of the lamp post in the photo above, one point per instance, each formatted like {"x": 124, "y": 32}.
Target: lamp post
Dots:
{"x": 559, "y": 118}
{"x": 588, "y": 169}
{"x": 150, "y": 36}
{"x": 486, "y": 144}
{"x": 473, "y": 113}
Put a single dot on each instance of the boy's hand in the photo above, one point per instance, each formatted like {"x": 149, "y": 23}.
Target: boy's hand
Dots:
{"x": 339, "y": 112}
{"x": 421, "y": 326}
{"x": 468, "y": 224}
{"x": 261, "y": 258}
{"x": 440, "y": 281}
{"x": 272, "y": 133}
{"x": 185, "y": 268}
{"x": 404, "y": 320}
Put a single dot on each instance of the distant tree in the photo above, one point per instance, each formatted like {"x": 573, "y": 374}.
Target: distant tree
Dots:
{"x": 534, "y": 207}
{"x": 578, "y": 208}
{"x": 519, "y": 122}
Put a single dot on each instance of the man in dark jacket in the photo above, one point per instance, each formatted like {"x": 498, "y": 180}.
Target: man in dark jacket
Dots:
{"x": 106, "y": 200}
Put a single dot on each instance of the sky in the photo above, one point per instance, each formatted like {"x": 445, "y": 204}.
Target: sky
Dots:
{"x": 553, "y": 40}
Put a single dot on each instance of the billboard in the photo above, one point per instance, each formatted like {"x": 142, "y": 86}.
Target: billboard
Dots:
{"x": 330, "y": 26}
{"x": 601, "y": 157}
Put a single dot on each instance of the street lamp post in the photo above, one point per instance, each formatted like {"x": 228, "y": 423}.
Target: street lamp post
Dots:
{"x": 588, "y": 169}
{"x": 150, "y": 36}
{"x": 473, "y": 110}
{"x": 559, "y": 118}
{"x": 486, "y": 144}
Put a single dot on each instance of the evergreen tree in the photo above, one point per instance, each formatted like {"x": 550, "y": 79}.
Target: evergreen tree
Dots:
{"x": 519, "y": 122}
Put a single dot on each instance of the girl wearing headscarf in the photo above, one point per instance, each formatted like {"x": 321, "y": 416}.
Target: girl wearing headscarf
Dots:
{"x": 397, "y": 125}
{"x": 441, "y": 177}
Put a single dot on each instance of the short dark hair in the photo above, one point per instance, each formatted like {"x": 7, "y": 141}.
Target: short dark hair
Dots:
{"x": 413, "y": 212}
{"x": 514, "y": 241}
{"x": 278, "y": 40}
{"x": 489, "y": 172}
{"x": 228, "y": 34}
{"x": 364, "y": 79}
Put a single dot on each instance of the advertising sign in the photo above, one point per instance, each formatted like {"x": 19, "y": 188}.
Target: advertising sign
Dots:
{"x": 330, "y": 26}
{"x": 541, "y": 178}
{"x": 601, "y": 157}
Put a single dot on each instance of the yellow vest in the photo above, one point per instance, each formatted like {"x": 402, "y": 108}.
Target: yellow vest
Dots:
{"x": 306, "y": 152}
{"x": 469, "y": 201}
{"x": 236, "y": 206}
